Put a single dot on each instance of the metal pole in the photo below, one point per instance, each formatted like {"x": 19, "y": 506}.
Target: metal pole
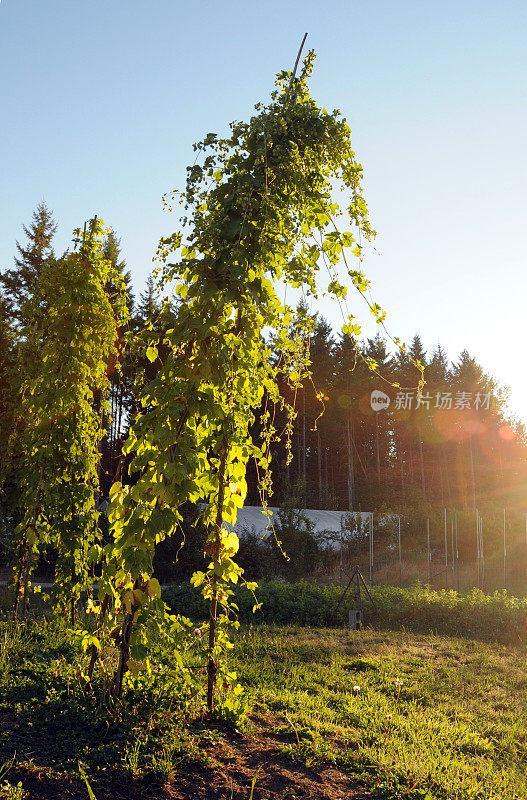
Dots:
{"x": 479, "y": 552}
{"x": 452, "y": 551}
{"x": 400, "y": 555}
{"x": 371, "y": 548}
{"x": 477, "y": 544}
{"x": 340, "y": 571}
{"x": 428, "y": 548}
{"x": 446, "y": 554}
{"x": 457, "y": 557}
{"x": 504, "y": 554}
{"x": 482, "y": 553}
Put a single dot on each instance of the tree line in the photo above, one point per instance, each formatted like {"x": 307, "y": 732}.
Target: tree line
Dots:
{"x": 450, "y": 444}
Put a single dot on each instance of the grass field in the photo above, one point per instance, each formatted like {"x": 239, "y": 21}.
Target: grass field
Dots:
{"x": 333, "y": 714}
{"x": 420, "y": 716}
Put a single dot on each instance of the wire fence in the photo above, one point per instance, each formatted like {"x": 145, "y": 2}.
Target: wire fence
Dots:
{"x": 447, "y": 549}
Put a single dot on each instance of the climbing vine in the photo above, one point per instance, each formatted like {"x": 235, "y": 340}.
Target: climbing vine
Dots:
{"x": 258, "y": 210}
{"x": 67, "y": 357}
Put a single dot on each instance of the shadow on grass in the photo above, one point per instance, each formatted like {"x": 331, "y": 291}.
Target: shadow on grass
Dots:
{"x": 49, "y": 724}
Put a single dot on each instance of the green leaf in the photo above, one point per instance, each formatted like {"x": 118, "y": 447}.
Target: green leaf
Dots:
{"x": 151, "y": 353}
{"x": 153, "y": 588}
{"x": 85, "y": 779}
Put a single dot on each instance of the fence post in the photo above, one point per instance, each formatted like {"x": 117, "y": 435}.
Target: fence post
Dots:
{"x": 477, "y": 548}
{"x": 400, "y": 555}
{"x": 457, "y": 555}
{"x": 452, "y": 549}
{"x": 371, "y": 548}
{"x": 446, "y": 554}
{"x": 482, "y": 554}
{"x": 504, "y": 554}
{"x": 428, "y": 554}
{"x": 340, "y": 569}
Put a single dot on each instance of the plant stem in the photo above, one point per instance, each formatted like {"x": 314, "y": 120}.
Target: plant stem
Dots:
{"x": 211, "y": 666}
{"x": 94, "y": 651}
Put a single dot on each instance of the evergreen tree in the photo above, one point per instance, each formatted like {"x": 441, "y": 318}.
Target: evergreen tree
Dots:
{"x": 149, "y": 306}
{"x": 19, "y": 284}
{"x": 437, "y": 370}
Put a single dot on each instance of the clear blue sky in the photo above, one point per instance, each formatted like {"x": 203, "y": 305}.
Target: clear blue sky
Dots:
{"x": 100, "y": 103}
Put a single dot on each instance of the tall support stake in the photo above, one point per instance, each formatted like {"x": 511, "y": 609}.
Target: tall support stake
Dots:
{"x": 400, "y": 555}
{"x": 293, "y": 74}
{"x": 428, "y": 553}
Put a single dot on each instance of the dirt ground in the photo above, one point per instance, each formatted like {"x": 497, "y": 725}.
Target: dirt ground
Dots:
{"x": 229, "y": 775}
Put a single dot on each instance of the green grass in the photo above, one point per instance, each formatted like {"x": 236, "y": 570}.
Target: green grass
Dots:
{"x": 413, "y": 716}
{"x": 50, "y": 720}
{"x": 418, "y": 716}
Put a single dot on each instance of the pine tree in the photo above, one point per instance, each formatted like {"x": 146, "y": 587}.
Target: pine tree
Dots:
{"x": 149, "y": 305}
{"x": 19, "y": 283}
{"x": 437, "y": 370}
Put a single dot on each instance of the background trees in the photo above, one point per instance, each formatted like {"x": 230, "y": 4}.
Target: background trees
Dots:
{"x": 455, "y": 446}
{"x": 20, "y": 283}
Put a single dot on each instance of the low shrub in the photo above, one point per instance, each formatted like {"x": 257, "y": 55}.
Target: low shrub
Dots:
{"x": 498, "y": 617}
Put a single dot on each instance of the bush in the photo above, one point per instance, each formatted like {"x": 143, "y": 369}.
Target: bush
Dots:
{"x": 498, "y": 617}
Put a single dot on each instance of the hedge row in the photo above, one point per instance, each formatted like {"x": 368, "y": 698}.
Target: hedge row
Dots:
{"x": 497, "y": 617}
